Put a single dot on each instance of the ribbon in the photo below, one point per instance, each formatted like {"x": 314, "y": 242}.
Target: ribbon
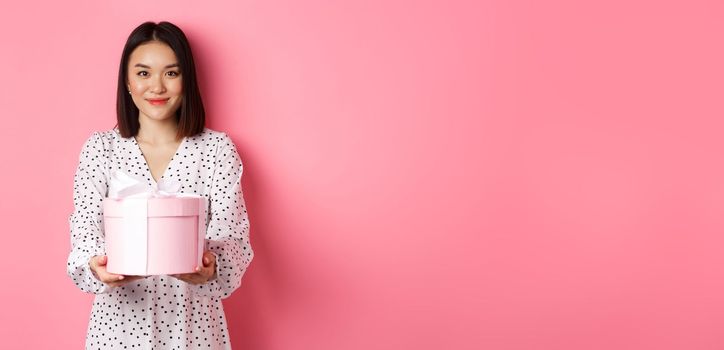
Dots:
{"x": 123, "y": 185}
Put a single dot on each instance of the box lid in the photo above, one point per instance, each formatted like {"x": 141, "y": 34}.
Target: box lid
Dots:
{"x": 168, "y": 206}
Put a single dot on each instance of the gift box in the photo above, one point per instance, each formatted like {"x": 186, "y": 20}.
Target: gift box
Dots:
{"x": 152, "y": 230}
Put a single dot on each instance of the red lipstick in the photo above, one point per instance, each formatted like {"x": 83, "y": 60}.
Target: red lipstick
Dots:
{"x": 158, "y": 102}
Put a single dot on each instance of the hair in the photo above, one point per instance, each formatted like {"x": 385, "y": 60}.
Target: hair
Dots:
{"x": 190, "y": 116}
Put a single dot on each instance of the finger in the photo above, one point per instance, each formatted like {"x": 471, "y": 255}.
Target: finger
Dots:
{"x": 209, "y": 258}
{"x": 109, "y": 278}
{"x": 106, "y": 276}
{"x": 129, "y": 279}
{"x": 124, "y": 280}
{"x": 190, "y": 278}
{"x": 98, "y": 263}
{"x": 206, "y": 272}
{"x": 212, "y": 269}
{"x": 115, "y": 283}
{"x": 99, "y": 260}
{"x": 93, "y": 262}
{"x": 181, "y": 276}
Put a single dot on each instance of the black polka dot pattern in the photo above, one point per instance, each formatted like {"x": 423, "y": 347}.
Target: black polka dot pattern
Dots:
{"x": 161, "y": 312}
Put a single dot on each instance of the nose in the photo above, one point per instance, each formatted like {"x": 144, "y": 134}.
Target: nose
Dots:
{"x": 157, "y": 86}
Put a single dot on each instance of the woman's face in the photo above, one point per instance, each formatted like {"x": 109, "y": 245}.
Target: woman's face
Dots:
{"x": 154, "y": 79}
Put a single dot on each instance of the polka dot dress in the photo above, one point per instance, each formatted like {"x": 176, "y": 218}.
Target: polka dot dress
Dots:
{"x": 161, "y": 312}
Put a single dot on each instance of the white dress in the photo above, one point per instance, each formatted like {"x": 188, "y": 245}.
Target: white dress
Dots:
{"x": 161, "y": 312}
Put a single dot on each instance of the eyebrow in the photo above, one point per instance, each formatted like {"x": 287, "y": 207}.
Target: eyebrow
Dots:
{"x": 145, "y": 66}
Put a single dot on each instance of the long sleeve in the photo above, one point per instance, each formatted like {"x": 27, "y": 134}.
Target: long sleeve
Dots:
{"x": 227, "y": 233}
{"x": 86, "y": 220}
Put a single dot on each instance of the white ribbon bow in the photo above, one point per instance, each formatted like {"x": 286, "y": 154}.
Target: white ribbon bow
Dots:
{"x": 123, "y": 185}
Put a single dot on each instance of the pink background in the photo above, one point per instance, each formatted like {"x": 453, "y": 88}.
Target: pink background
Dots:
{"x": 419, "y": 175}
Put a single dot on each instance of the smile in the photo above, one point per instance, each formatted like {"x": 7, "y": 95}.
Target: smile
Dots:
{"x": 158, "y": 102}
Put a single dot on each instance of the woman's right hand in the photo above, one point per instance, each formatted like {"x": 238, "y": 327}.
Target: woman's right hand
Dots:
{"x": 98, "y": 266}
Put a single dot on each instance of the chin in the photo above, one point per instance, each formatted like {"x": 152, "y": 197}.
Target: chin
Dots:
{"x": 160, "y": 117}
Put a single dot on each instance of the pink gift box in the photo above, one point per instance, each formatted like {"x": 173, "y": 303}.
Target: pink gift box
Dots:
{"x": 154, "y": 236}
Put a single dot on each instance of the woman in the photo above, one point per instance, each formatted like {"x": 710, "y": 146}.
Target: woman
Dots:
{"x": 160, "y": 134}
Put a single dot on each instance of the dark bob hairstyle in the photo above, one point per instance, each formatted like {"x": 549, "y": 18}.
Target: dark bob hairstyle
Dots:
{"x": 190, "y": 115}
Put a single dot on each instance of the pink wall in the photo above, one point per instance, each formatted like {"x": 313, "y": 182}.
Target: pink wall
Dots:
{"x": 419, "y": 175}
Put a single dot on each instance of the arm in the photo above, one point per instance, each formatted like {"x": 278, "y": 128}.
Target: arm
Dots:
{"x": 227, "y": 233}
{"x": 86, "y": 221}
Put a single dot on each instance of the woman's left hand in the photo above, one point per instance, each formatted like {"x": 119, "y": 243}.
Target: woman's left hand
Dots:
{"x": 203, "y": 274}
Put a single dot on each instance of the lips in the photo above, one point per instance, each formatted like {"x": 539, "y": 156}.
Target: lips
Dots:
{"x": 157, "y": 102}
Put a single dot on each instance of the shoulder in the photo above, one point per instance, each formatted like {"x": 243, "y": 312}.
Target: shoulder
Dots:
{"x": 104, "y": 142}
{"x": 212, "y": 135}
{"x": 217, "y": 139}
{"x": 96, "y": 146}
{"x": 98, "y": 140}
{"x": 105, "y": 136}
{"x": 104, "y": 139}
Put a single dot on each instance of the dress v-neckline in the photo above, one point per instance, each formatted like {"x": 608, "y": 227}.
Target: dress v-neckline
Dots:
{"x": 168, "y": 166}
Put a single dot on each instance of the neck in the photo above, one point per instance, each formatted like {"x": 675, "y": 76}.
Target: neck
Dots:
{"x": 157, "y": 131}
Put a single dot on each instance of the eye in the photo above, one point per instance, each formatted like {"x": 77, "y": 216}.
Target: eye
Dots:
{"x": 173, "y": 73}
{"x": 139, "y": 73}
